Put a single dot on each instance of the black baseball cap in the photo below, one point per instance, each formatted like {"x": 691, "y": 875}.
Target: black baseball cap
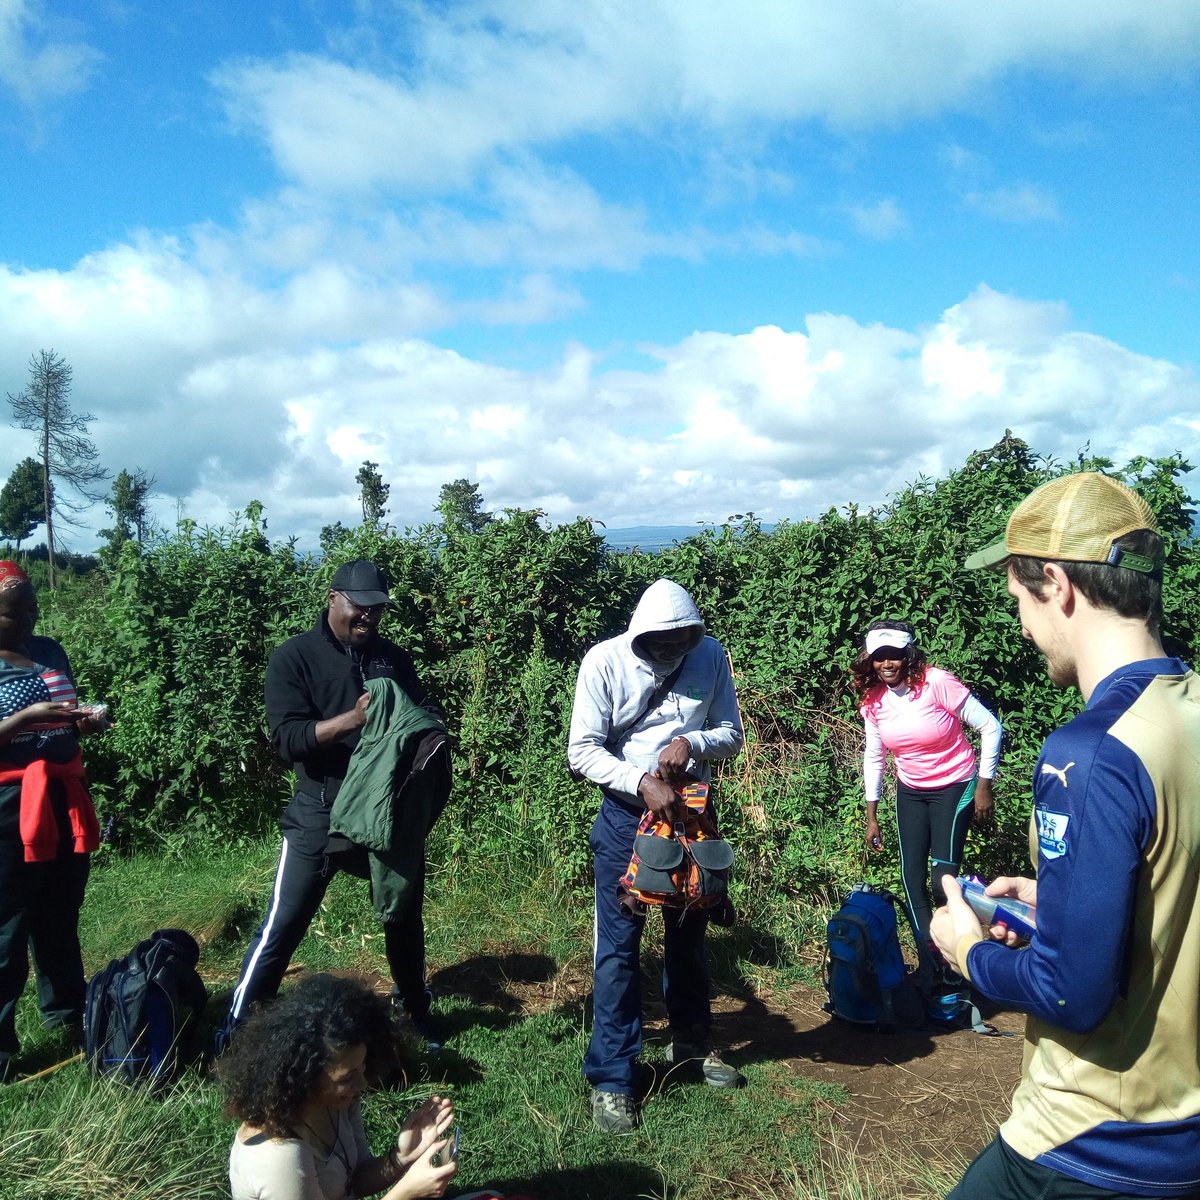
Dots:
{"x": 361, "y": 582}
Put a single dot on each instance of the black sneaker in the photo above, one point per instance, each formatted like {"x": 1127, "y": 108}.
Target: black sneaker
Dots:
{"x": 423, "y": 1025}
{"x": 428, "y": 1029}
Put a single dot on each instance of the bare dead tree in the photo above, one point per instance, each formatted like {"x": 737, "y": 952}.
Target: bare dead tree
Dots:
{"x": 68, "y": 455}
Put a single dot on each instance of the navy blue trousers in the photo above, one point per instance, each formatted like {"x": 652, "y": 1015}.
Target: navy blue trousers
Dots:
{"x": 1002, "y": 1174}
{"x": 617, "y": 991}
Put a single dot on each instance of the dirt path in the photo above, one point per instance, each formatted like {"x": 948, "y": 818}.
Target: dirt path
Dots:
{"x": 911, "y": 1095}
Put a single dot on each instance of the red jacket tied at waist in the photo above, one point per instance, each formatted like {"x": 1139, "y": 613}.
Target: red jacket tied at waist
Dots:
{"x": 39, "y": 830}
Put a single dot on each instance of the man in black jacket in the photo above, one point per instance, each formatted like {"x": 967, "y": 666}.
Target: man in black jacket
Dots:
{"x": 316, "y": 708}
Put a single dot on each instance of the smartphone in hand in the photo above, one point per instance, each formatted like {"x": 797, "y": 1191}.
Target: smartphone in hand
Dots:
{"x": 448, "y": 1154}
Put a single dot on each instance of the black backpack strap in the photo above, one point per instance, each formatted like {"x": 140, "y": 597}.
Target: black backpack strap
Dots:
{"x": 896, "y": 902}
{"x": 97, "y": 1012}
{"x": 657, "y": 696}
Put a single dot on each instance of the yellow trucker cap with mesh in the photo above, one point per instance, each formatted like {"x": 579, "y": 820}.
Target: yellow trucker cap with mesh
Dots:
{"x": 1075, "y": 518}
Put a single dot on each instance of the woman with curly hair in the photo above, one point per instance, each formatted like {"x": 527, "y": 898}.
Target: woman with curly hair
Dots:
{"x": 294, "y": 1076}
{"x": 916, "y": 712}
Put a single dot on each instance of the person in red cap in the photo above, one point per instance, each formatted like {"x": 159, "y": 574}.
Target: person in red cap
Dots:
{"x": 48, "y": 826}
{"x": 316, "y": 709}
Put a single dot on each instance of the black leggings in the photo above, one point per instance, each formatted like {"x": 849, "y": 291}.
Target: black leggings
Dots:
{"x": 931, "y": 824}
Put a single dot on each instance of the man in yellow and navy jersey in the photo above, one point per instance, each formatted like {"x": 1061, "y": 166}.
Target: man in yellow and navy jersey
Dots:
{"x": 1109, "y": 1099}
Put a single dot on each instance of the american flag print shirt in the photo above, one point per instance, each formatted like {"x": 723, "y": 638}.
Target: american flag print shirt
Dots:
{"x": 19, "y": 688}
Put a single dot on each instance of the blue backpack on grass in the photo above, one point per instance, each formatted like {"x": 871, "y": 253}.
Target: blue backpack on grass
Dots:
{"x": 865, "y": 973}
{"x": 143, "y": 1011}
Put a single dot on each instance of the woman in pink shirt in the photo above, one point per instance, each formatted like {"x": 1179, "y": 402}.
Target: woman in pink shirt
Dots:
{"x": 916, "y": 712}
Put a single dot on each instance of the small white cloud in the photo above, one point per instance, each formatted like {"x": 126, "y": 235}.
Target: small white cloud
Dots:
{"x": 771, "y": 242}
{"x": 1019, "y": 204}
{"x": 1069, "y": 135}
{"x": 881, "y": 221}
{"x": 531, "y": 300}
{"x": 40, "y": 60}
{"x": 963, "y": 161}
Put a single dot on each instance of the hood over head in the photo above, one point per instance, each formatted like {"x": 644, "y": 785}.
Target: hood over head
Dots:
{"x": 665, "y": 607}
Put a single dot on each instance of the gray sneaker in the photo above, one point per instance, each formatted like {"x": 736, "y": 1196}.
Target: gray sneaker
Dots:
{"x": 613, "y": 1112}
{"x": 700, "y": 1058}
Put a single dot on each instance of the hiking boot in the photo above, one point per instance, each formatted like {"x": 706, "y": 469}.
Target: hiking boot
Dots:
{"x": 700, "y": 1059}
{"x": 613, "y": 1112}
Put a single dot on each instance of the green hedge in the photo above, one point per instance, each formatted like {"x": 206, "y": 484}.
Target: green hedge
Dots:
{"x": 176, "y": 635}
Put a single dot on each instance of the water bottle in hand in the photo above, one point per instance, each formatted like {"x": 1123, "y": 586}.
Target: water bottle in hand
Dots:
{"x": 998, "y": 910}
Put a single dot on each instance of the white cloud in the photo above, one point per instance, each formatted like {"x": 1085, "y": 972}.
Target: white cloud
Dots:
{"x": 1016, "y": 203}
{"x": 496, "y": 78}
{"x": 881, "y": 221}
{"x": 541, "y": 217}
{"x": 963, "y": 161}
{"x": 769, "y": 242}
{"x": 1069, "y": 135}
{"x": 528, "y": 215}
{"x": 475, "y": 135}
{"x": 228, "y": 393}
{"x": 39, "y": 59}
{"x": 1021, "y": 203}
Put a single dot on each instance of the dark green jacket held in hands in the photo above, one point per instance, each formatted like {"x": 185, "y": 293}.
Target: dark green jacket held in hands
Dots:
{"x": 396, "y": 786}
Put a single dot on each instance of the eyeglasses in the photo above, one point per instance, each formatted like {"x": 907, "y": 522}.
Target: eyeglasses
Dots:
{"x": 367, "y": 610}
{"x": 888, "y": 654}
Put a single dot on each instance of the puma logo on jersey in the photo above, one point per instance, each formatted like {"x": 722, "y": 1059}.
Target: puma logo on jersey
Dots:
{"x": 1047, "y": 769}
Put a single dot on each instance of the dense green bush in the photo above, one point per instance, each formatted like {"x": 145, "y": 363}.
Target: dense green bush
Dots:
{"x": 177, "y": 635}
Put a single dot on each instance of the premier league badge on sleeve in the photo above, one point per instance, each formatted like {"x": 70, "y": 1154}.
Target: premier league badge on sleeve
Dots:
{"x": 1052, "y": 832}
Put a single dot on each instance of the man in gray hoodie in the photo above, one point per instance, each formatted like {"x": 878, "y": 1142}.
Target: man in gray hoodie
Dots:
{"x": 651, "y": 706}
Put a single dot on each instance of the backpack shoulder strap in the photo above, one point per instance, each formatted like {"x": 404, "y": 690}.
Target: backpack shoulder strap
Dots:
{"x": 899, "y": 904}
{"x": 656, "y": 697}
{"x": 97, "y": 1013}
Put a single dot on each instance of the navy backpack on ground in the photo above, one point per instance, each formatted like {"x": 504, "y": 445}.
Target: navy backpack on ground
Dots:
{"x": 865, "y": 973}
{"x": 143, "y": 1011}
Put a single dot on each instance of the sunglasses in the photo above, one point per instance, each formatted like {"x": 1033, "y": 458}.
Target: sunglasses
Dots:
{"x": 888, "y": 654}
{"x": 368, "y": 610}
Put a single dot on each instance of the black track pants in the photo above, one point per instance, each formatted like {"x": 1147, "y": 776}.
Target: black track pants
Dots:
{"x": 301, "y": 880}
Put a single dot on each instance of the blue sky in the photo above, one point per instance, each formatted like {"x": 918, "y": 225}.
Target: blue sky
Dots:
{"x": 650, "y": 262}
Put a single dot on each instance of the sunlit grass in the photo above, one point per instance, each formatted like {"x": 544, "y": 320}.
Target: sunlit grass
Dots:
{"x": 513, "y": 955}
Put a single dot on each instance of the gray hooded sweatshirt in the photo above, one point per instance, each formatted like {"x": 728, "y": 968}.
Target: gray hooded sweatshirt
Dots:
{"x": 615, "y": 681}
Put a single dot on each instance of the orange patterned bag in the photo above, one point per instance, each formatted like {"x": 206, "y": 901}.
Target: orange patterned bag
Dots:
{"x": 684, "y": 865}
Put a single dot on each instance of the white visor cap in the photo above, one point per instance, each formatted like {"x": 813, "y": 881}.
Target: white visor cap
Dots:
{"x": 887, "y": 637}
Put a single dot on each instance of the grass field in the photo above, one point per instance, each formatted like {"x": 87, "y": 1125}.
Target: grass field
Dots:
{"x": 512, "y": 970}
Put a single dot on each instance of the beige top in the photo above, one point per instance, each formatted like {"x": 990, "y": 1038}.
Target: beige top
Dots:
{"x": 266, "y": 1168}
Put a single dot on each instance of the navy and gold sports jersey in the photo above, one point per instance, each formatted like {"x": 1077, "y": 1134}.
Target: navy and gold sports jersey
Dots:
{"x": 1110, "y": 1091}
